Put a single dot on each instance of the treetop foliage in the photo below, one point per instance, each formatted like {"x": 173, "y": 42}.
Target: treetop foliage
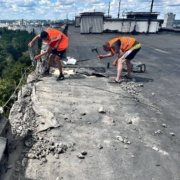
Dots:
{"x": 14, "y": 57}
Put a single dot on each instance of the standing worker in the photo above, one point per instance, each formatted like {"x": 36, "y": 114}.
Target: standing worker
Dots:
{"x": 57, "y": 42}
{"x": 126, "y": 48}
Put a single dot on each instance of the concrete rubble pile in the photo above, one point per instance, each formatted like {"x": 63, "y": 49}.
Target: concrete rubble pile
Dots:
{"x": 24, "y": 127}
{"x": 132, "y": 88}
{"x": 43, "y": 147}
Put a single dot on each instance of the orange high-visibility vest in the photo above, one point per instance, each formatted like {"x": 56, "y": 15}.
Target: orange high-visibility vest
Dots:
{"x": 54, "y": 37}
{"x": 125, "y": 43}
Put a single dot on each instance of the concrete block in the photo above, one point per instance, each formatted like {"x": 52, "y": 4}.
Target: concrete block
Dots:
{"x": 3, "y": 156}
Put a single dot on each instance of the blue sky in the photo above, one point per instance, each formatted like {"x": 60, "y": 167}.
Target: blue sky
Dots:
{"x": 61, "y": 9}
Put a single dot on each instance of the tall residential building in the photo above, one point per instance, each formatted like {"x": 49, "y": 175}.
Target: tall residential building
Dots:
{"x": 168, "y": 20}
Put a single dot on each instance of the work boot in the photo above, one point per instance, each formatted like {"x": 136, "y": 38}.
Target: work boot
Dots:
{"x": 46, "y": 72}
{"x": 61, "y": 77}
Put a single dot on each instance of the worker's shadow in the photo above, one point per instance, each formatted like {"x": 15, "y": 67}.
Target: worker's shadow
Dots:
{"x": 137, "y": 78}
{"x": 84, "y": 74}
{"x": 142, "y": 79}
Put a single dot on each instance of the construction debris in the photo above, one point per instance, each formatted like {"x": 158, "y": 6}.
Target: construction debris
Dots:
{"x": 158, "y": 132}
{"x": 101, "y": 110}
{"x": 164, "y": 125}
{"x": 99, "y": 146}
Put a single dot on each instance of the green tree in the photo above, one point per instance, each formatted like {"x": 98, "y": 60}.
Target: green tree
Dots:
{"x": 14, "y": 60}
{"x": 9, "y": 60}
{"x": 6, "y": 89}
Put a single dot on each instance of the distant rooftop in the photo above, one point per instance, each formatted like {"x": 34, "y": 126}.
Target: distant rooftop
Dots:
{"x": 92, "y": 13}
{"x": 143, "y": 13}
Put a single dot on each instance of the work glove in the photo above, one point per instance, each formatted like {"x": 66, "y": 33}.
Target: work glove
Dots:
{"x": 37, "y": 57}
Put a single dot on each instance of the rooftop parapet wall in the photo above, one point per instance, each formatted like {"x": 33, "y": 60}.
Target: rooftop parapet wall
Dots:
{"x": 4, "y": 130}
{"x": 3, "y": 156}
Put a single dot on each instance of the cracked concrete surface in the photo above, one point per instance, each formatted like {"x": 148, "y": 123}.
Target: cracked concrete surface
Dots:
{"x": 121, "y": 143}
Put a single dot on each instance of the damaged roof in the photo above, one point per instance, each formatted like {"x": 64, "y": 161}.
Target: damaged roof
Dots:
{"x": 85, "y": 128}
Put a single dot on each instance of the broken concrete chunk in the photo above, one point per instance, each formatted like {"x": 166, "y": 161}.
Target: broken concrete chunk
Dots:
{"x": 41, "y": 138}
{"x": 61, "y": 145}
{"x": 129, "y": 121}
{"x": 126, "y": 141}
{"x": 99, "y": 146}
{"x": 18, "y": 131}
{"x": 59, "y": 178}
{"x": 164, "y": 125}
{"x": 102, "y": 110}
{"x": 28, "y": 142}
{"x": 120, "y": 138}
{"x": 158, "y": 132}
{"x": 56, "y": 156}
{"x": 141, "y": 85}
{"x": 155, "y": 148}
{"x": 113, "y": 121}
{"x": 59, "y": 150}
{"x": 30, "y": 156}
{"x": 56, "y": 145}
{"x": 80, "y": 156}
{"x": 126, "y": 147}
{"x": 84, "y": 153}
{"x": 24, "y": 162}
{"x": 20, "y": 128}
{"x": 44, "y": 160}
{"x": 14, "y": 131}
{"x": 51, "y": 148}
{"x": 43, "y": 154}
{"x": 83, "y": 114}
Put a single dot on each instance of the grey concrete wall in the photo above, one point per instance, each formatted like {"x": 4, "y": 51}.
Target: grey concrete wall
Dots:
{"x": 4, "y": 135}
{"x": 129, "y": 26}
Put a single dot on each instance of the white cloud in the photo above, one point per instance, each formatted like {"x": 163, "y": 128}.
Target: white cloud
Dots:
{"x": 58, "y": 9}
{"x": 44, "y": 2}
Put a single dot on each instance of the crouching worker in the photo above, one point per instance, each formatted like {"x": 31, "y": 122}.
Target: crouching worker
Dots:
{"x": 57, "y": 44}
{"x": 126, "y": 48}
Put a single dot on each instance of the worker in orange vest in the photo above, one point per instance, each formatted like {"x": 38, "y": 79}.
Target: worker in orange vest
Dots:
{"x": 57, "y": 42}
{"x": 126, "y": 48}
